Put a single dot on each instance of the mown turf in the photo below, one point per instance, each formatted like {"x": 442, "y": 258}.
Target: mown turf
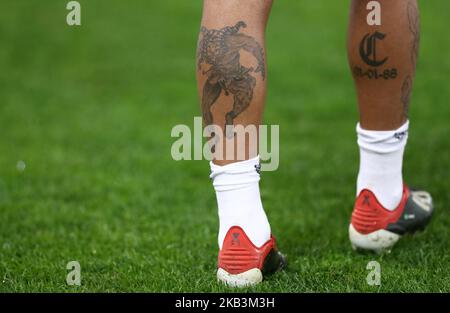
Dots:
{"x": 89, "y": 110}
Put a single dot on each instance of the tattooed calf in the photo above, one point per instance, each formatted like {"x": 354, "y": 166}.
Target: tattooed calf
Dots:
{"x": 221, "y": 50}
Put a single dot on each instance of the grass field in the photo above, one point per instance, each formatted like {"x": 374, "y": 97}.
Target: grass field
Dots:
{"x": 89, "y": 111}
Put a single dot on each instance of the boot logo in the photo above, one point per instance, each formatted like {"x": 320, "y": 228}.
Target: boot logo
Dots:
{"x": 235, "y": 239}
{"x": 366, "y": 200}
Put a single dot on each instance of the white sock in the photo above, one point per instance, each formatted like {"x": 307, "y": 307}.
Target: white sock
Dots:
{"x": 381, "y": 158}
{"x": 239, "y": 201}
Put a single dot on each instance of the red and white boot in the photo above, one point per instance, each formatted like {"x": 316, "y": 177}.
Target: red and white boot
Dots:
{"x": 375, "y": 228}
{"x": 242, "y": 264}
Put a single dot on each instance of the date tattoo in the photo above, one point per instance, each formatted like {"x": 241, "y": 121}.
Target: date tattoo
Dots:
{"x": 220, "y": 49}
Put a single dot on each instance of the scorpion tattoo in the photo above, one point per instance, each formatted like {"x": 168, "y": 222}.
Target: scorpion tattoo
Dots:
{"x": 220, "y": 48}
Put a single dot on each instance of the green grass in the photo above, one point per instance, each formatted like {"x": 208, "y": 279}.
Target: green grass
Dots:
{"x": 90, "y": 109}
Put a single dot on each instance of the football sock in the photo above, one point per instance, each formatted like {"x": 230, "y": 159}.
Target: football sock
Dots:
{"x": 381, "y": 158}
{"x": 239, "y": 200}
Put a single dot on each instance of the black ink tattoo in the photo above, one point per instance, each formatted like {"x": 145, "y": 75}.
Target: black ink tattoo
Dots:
{"x": 368, "y": 53}
{"x": 414, "y": 27}
{"x": 368, "y": 49}
{"x": 220, "y": 48}
{"x": 406, "y": 95}
{"x": 374, "y": 73}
